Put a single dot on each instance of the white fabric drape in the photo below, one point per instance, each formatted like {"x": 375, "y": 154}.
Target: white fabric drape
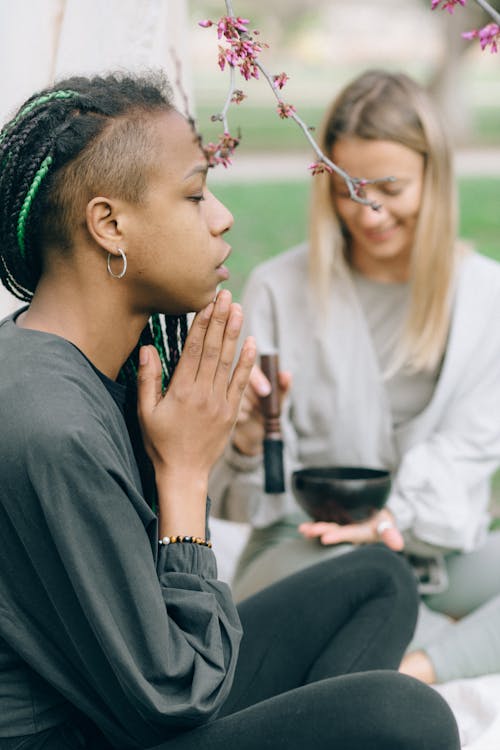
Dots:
{"x": 44, "y": 40}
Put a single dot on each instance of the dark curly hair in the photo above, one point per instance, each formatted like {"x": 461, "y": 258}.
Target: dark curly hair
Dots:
{"x": 64, "y": 143}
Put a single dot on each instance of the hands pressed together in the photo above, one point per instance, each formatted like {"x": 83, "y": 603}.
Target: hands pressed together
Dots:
{"x": 186, "y": 429}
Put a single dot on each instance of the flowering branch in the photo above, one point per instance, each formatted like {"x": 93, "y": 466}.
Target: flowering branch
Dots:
{"x": 242, "y": 53}
{"x": 489, "y": 35}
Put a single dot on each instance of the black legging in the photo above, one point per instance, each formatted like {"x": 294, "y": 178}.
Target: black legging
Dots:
{"x": 301, "y": 681}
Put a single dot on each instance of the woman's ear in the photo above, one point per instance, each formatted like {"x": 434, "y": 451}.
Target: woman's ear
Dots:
{"x": 102, "y": 223}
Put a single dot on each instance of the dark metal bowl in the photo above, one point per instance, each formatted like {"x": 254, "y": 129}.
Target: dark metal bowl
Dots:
{"x": 343, "y": 494}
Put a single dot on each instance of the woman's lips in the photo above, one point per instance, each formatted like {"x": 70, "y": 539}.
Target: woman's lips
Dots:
{"x": 223, "y": 272}
{"x": 221, "y": 269}
{"x": 381, "y": 235}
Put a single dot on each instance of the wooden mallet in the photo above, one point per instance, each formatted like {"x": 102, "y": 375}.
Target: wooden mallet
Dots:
{"x": 274, "y": 481}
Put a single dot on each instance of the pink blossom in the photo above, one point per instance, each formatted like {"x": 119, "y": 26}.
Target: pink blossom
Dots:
{"x": 243, "y": 50}
{"x": 238, "y": 96}
{"x": 229, "y": 141}
{"x": 488, "y": 36}
{"x": 319, "y": 167}
{"x": 232, "y": 57}
{"x": 248, "y": 69}
{"x": 448, "y": 5}
{"x": 285, "y": 110}
{"x": 242, "y": 54}
{"x": 473, "y": 34}
{"x": 221, "y": 152}
{"x": 247, "y": 49}
{"x": 231, "y": 27}
{"x": 210, "y": 149}
{"x": 206, "y": 23}
{"x": 221, "y": 58}
{"x": 280, "y": 80}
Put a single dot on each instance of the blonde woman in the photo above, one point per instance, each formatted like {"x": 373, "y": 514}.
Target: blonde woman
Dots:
{"x": 385, "y": 327}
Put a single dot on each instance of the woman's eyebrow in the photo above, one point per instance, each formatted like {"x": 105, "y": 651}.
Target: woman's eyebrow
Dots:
{"x": 199, "y": 169}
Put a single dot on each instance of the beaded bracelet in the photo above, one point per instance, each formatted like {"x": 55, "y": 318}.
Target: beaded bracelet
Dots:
{"x": 183, "y": 539}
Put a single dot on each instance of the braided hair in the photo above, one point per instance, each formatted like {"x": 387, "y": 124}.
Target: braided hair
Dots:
{"x": 62, "y": 144}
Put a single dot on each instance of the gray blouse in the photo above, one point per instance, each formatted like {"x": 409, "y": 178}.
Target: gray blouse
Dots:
{"x": 92, "y": 616}
{"x": 384, "y": 306}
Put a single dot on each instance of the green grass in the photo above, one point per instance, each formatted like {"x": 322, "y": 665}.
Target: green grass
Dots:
{"x": 263, "y": 131}
{"x": 480, "y": 214}
{"x": 486, "y": 126}
{"x": 270, "y": 217}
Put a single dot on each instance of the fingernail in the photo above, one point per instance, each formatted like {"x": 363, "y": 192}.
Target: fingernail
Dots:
{"x": 224, "y": 301}
{"x": 264, "y": 388}
{"x": 143, "y": 355}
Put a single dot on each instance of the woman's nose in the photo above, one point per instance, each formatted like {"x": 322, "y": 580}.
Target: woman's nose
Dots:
{"x": 369, "y": 216}
{"x": 221, "y": 219}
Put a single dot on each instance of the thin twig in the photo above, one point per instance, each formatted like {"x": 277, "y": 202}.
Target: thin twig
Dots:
{"x": 354, "y": 184}
{"x": 495, "y": 15}
{"x": 179, "y": 84}
{"x": 229, "y": 98}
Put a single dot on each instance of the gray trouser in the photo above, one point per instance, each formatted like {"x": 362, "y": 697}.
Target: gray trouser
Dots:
{"x": 466, "y": 648}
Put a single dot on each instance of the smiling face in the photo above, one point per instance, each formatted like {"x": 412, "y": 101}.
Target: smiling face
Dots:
{"x": 174, "y": 235}
{"x": 380, "y": 242}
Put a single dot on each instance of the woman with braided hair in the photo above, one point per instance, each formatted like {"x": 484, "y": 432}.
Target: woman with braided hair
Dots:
{"x": 114, "y": 630}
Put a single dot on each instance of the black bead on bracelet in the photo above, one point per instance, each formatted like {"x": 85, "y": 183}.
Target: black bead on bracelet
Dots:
{"x": 184, "y": 539}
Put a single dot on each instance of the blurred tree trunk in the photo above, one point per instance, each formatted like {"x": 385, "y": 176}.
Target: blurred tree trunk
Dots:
{"x": 447, "y": 85}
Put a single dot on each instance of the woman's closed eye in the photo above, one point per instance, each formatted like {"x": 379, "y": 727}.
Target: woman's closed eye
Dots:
{"x": 389, "y": 188}
{"x": 197, "y": 198}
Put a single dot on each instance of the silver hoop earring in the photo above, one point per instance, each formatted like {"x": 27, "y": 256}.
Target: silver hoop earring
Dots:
{"x": 124, "y": 269}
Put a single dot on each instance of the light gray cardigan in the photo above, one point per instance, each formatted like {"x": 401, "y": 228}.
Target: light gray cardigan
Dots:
{"x": 338, "y": 410}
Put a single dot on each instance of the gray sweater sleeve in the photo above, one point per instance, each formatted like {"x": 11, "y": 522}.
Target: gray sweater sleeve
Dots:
{"x": 236, "y": 484}
{"x": 144, "y": 643}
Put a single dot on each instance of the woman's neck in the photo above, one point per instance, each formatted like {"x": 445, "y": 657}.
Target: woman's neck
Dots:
{"x": 389, "y": 270}
{"x": 99, "y": 325}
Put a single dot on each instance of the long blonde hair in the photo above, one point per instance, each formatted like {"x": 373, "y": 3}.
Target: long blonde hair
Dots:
{"x": 392, "y": 107}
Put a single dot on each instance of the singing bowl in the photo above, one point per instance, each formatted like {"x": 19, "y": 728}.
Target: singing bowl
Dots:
{"x": 343, "y": 494}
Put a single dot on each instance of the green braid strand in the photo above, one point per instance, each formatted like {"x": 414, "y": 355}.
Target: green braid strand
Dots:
{"x": 30, "y": 195}
{"x": 158, "y": 339}
{"x": 37, "y": 103}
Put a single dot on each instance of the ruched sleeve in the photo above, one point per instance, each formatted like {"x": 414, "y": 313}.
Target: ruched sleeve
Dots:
{"x": 144, "y": 642}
